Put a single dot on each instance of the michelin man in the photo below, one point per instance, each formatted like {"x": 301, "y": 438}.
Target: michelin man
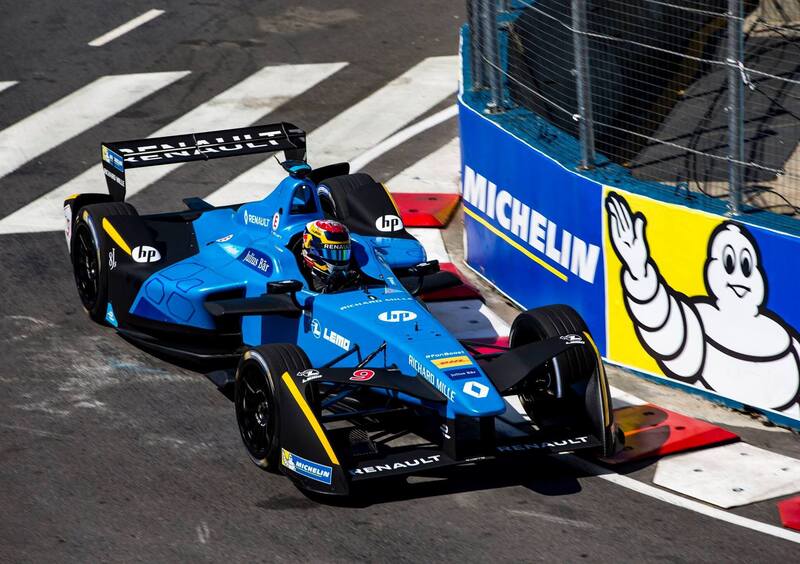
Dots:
{"x": 727, "y": 341}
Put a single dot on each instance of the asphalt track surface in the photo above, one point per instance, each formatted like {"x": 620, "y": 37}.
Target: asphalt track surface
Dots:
{"x": 107, "y": 453}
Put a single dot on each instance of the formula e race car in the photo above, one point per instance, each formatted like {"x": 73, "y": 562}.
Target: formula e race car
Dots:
{"x": 330, "y": 387}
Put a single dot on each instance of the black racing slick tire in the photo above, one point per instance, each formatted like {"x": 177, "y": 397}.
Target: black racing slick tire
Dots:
{"x": 257, "y": 401}
{"x": 543, "y": 323}
{"x": 88, "y": 255}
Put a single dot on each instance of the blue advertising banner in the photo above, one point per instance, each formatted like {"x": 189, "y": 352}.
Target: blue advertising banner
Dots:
{"x": 533, "y": 228}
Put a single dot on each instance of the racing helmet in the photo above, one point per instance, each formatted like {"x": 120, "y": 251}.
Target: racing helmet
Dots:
{"x": 326, "y": 249}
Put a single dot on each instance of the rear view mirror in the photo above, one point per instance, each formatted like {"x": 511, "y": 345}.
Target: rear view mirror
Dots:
{"x": 425, "y": 268}
{"x": 284, "y": 287}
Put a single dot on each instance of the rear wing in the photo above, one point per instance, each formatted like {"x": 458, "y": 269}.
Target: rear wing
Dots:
{"x": 122, "y": 155}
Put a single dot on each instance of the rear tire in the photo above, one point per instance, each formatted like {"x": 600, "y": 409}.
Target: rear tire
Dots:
{"x": 257, "y": 401}
{"x": 362, "y": 205}
{"x": 88, "y": 254}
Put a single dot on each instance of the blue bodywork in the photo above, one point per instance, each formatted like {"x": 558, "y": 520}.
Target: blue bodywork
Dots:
{"x": 242, "y": 249}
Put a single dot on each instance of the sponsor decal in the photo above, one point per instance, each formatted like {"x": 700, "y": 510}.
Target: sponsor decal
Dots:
{"x": 233, "y": 250}
{"x": 399, "y": 465}
{"x": 388, "y": 223}
{"x": 315, "y": 328}
{"x": 225, "y": 239}
{"x": 445, "y": 431}
{"x": 255, "y": 219}
{"x": 452, "y": 362}
{"x": 256, "y": 260}
{"x": 112, "y": 258}
{"x": 397, "y": 316}
{"x": 336, "y": 339}
{"x": 68, "y": 225}
{"x": 145, "y": 254}
{"x": 375, "y": 300}
{"x": 110, "y": 317}
{"x": 276, "y": 221}
{"x": 309, "y": 469}
{"x": 114, "y": 177}
{"x": 475, "y": 389}
{"x": 113, "y": 159}
{"x": 309, "y": 375}
{"x": 362, "y": 375}
{"x": 550, "y": 242}
{"x": 462, "y": 373}
{"x": 573, "y": 339}
{"x": 220, "y": 143}
{"x": 576, "y": 441}
{"x": 431, "y": 378}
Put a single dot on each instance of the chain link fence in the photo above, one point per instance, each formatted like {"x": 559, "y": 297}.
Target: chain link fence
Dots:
{"x": 703, "y": 95}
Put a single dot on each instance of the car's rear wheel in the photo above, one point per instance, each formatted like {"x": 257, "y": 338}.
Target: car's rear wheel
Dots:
{"x": 257, "y": 399}
{"x": 88, "y": 253}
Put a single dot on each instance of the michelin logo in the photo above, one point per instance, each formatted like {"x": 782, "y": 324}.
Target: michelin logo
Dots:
{"x": 307, "y": 468}
{"x": 533, "y": 228}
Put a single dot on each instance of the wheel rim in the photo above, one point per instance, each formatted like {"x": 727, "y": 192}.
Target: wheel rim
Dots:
{"x": 254, "y": 410}
{"x": 86, "y": 266}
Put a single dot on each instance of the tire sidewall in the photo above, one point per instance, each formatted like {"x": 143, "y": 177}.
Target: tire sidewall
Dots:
{"x": 253, "y": 360}
{"x": 86, "y": 221}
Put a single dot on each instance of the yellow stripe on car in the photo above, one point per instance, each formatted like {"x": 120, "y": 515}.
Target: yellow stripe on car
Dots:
{"x": 298, "y": 397}
{"x": 115, "y": 236}
{"x": 602, "y": 376}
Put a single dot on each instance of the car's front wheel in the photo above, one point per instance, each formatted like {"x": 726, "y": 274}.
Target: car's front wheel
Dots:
{"x": 257, "y": 399}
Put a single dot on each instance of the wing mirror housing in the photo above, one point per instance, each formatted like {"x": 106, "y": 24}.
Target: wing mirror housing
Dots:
{"x": 422, "y": 270}
{"x": 290, "y": 287}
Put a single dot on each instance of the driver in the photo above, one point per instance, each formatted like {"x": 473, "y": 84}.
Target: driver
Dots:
{"x": 326, "y": 256}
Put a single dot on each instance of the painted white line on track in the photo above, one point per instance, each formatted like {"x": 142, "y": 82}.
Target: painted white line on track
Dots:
{"x": 438, "y": 173}
{"x": 125, "y": 28}
{"x": 402, "y": 136}
{"x": 356, "y": 129}
{"x": 7, "y": 84}
{"x": 678, "y": 501}
{"x": 431, "y": 240}
{"x": 239, "y": 106}
{"x": 75, "y": 113}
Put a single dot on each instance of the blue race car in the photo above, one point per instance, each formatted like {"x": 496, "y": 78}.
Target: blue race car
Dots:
{"x": 335, "y": 379}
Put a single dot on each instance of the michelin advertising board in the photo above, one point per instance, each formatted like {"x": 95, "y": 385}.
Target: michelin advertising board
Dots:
{"x": 532, "y": 230}
{"x": 676, "y": 293}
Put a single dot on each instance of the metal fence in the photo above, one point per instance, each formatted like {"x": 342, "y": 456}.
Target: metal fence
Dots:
{"x": 699, "y": 94}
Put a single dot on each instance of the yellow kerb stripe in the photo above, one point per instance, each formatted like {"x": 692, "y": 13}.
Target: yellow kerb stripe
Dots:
{"x": 514, "y": 244}
{"x": 115, "y": 236}
{"x": 298, "y": 397}
{"x": 602, "y": 376}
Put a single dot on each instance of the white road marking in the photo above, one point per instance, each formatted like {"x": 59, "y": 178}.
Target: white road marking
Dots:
{"x": 75, "y": 113}
{"x": 552, "y": 518}
{"x": 125, "y": 28}
{"x": 437, "y": 173}
{"x": 729, "y": 475}
{"x": 356, "y": 129}
{"x": 7, "y": 84}
{"x": 402, "y": 136}
{"x": 431, "y": 240}
{"x": 203, "y": 532}
{"x": 678, "y": 501}
{"x": 241, "y": 105}
{"x": 620, "y": 398}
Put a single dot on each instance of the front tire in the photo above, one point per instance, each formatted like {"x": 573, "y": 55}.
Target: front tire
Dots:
{"x": 257, "y": 400}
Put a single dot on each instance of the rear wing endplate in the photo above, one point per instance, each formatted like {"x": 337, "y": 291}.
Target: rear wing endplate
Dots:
{"x": 119, "y": 156}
